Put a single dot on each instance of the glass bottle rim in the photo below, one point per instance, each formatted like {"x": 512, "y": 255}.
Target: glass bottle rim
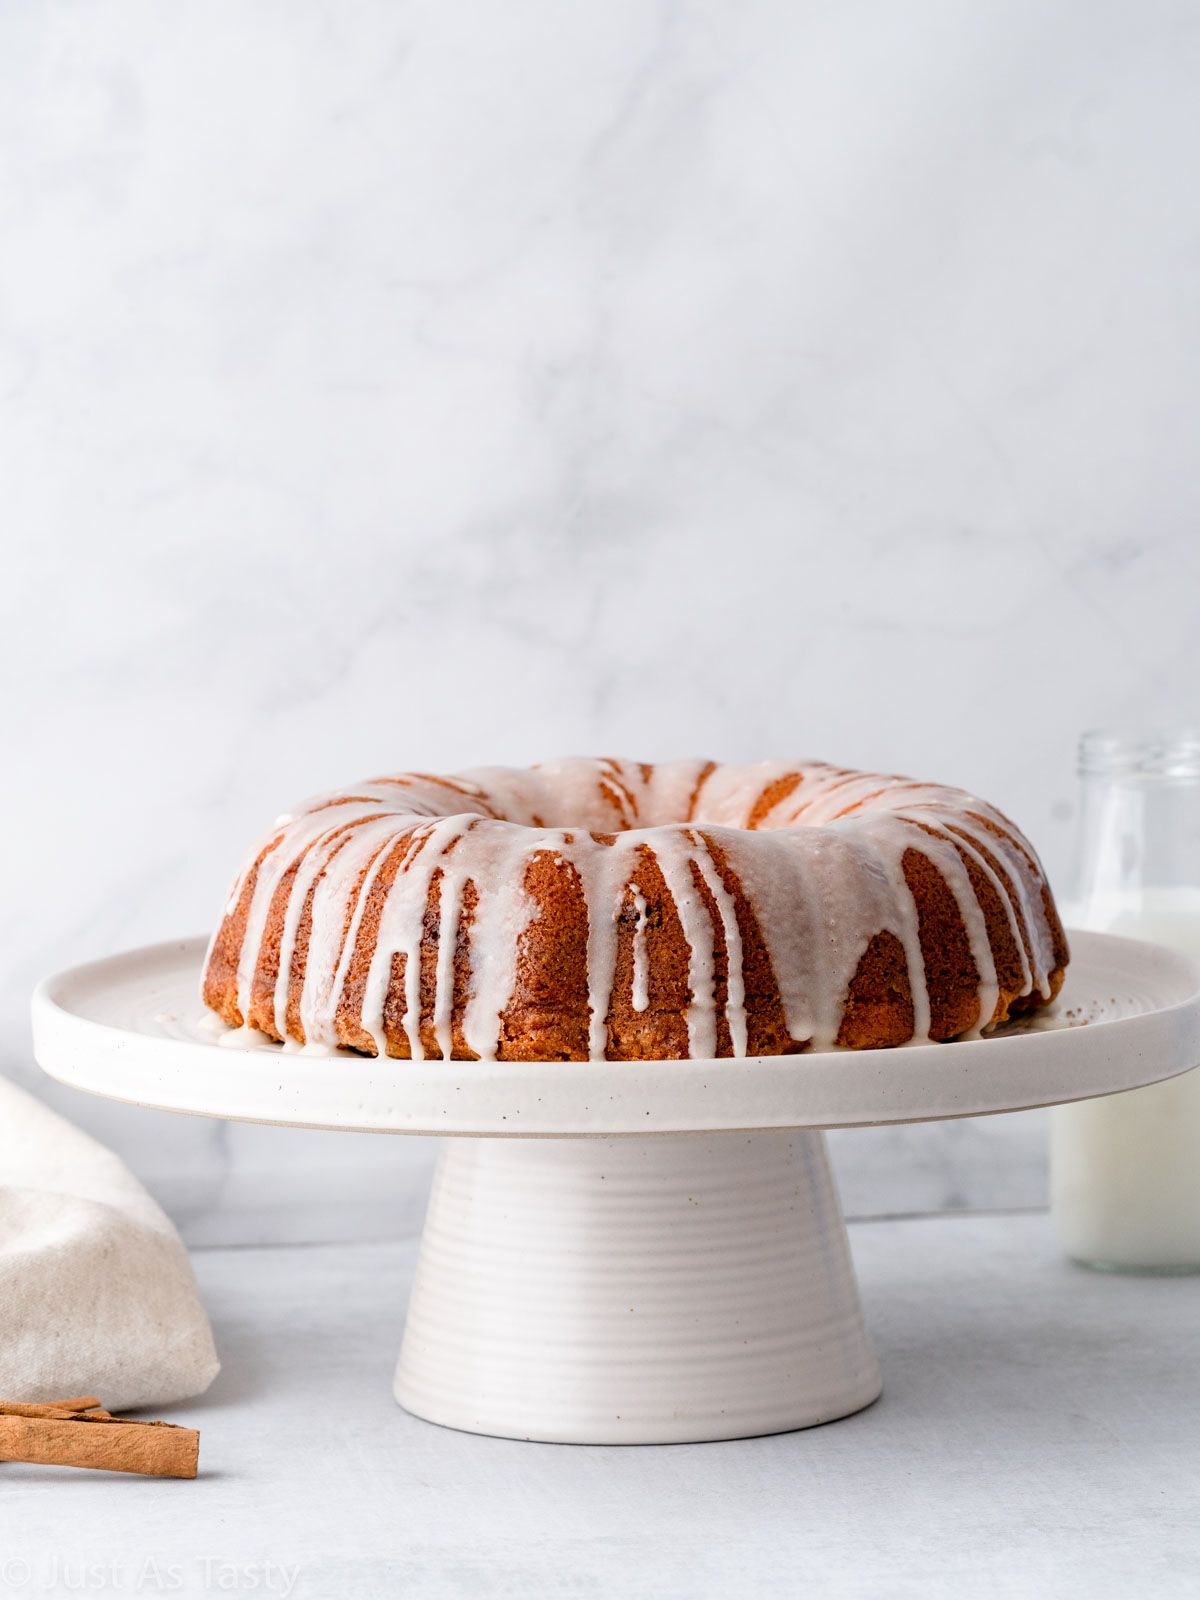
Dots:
{"x": 1140, "y": 753}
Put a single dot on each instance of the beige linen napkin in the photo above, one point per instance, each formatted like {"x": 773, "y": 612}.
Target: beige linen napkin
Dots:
{"x": 97, "y": 1294}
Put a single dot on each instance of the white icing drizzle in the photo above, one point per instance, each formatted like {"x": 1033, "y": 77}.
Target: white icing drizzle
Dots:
{"x": 675, "y": 853}
{"x": 735, "y": 1004}
{"x": 822, "y": 874}
{"x": 977, "y": 850}
{"x": 640, "y": 998}
{"x": 603, "y": 873}
{"x": 450, "y": 889}
{"x": 241, "y": 1038}
{"x": 950, "y": 864}
{"x": 502, "y": 914}
{"x": 334, "y": 868}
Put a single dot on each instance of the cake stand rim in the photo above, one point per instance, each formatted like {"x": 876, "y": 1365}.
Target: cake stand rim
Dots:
{"x": 915, "y": 1083}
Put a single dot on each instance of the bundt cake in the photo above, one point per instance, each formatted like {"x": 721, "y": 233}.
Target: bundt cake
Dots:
{"x": 622, "y": 910}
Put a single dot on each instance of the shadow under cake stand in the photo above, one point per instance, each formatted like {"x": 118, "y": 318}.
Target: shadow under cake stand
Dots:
{"x": 624, "y": 1252}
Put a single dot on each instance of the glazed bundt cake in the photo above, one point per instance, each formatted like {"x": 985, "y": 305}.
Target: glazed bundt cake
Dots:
{"x": 621, "y": 910}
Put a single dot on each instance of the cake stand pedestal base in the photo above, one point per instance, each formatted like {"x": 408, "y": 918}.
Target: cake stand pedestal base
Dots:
{"x": 639, "y": 1290}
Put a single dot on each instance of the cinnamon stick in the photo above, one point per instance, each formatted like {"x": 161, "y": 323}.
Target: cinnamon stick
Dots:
{"x": 86, "y": 1436}
{"x": 52, "y": 1408}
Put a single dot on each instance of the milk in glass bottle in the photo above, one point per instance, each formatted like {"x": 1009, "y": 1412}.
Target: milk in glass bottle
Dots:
{"x": 1125, "y": 1170}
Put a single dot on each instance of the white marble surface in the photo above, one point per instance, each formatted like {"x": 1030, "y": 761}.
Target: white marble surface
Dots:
{"x": 422, "y": 385}
{"x": 1037, "y": 1435}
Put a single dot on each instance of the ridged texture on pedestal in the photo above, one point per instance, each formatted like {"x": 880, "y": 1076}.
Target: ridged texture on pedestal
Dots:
{"x": 647, "y": 1290}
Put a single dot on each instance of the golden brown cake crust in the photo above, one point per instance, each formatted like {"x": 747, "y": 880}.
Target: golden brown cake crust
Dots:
{"x": 636, "y": 911}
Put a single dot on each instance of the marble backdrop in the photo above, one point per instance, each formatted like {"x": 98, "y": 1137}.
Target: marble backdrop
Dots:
{"x": 403, "y": 384}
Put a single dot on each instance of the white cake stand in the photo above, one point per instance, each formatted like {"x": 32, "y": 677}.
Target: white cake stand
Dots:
{"x": 624, "y": 1252}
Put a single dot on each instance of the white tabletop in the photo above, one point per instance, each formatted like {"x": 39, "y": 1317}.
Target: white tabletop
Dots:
{"x": 1039, "y": 1433}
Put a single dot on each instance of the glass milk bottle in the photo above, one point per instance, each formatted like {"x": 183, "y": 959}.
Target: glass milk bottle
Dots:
{"x": 1125, "y": 1170}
